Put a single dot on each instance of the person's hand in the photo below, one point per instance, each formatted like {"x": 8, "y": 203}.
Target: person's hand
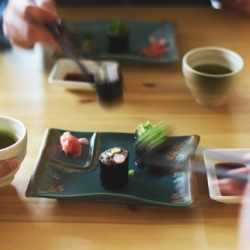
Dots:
{"x": 231, "y": 186}
{"x": 240, "y": 5}
{"x": 7, "y": 167}
{"x": 23, "y": 22}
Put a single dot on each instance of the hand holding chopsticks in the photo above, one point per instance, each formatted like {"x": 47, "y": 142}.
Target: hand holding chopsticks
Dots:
{"x": 23, "y": 22}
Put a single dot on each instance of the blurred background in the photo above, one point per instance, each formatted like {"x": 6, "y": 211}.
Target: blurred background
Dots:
{"x": 132, "y": 2}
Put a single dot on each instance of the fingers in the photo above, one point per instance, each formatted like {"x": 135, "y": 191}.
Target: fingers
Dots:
{"x": 48, "y": 5}
{"x": 7, "y": 167}
{"x": 239, "y": 171}
{"x": 26, "y": 35}
{"x": 34, "y": 10}
{"x": 240, "y": 5}
{"x": 38, "y": 15}
{"x": 231, "y": 187}
{"x": 23, "y": 22}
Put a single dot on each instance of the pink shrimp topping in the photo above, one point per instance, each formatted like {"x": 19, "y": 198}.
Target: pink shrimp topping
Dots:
{"x": 72, "y": 145}
{"x": 119, "y": 158}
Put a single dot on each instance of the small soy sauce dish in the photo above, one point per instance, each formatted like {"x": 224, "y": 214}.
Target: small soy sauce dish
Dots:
{"x": 109, "y": 86}
{"x": 225, "y": 159}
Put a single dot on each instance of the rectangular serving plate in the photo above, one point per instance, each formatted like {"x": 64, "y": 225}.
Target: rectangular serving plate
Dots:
{"x": 63, "y": 177}
{"x": 95, "y": 34}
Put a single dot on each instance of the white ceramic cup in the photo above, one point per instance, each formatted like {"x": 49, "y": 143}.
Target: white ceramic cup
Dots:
{"x": 212, "y": 90}
{"x": 16, "y": 150}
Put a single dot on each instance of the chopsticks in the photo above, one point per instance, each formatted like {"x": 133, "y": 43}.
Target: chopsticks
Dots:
{"x": 159, "y": 159}
{"x": 57, "y": 30}
{"x": 150, "y": 147}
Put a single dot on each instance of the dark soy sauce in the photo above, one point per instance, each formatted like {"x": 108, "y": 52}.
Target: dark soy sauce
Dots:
{"x": 77, "y": 77}
{"x": 228, "y": 166}
{"x": 213, "y": 69}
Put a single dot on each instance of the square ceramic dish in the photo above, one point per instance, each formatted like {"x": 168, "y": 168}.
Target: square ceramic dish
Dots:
{"x": 65, "y": 66}
{"x": 63, "y": 177}
{"x": 214, "y": 156}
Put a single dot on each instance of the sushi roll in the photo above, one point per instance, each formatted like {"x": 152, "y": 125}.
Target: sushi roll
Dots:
{"x": 118, "y": 37}
{"x": 114, "y": 168}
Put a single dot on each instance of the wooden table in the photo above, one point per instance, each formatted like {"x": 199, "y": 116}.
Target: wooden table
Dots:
{"x": 39, "y": 223}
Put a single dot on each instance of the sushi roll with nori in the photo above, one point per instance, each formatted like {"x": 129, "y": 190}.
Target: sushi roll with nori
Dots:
{"x": 114, "y": 168}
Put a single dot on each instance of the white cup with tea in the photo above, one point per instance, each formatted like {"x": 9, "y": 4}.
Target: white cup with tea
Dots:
{"x": 13, "y": 144}
{"x": 212, "y": 74}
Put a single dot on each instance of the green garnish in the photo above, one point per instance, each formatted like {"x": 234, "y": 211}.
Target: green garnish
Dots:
{"x": 154, "y": 135}
{"x": 143, "y": 127}
{"x": 118, "y": 28}
{"x": 131, "y": 172}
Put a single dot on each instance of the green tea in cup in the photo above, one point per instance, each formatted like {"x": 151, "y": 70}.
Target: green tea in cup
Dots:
{"x": 7, "y": 138}
{"x": 213, "y": 69}
{"x": 212, "y": 74}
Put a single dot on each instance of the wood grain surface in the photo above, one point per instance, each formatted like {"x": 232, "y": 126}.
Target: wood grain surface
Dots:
{"x": 151, "y": 93}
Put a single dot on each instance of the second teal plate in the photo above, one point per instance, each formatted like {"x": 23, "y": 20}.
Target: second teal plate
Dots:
{"x": 95, "y": 33}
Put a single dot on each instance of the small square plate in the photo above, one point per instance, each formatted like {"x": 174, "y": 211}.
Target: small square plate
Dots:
{"x": 214, "y": 156}
{"x": 63, "y": 177}
{"x": 65, "y": 66}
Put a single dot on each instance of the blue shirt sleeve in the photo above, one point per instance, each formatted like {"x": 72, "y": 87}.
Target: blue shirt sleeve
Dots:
{"x": 4, "y": 42}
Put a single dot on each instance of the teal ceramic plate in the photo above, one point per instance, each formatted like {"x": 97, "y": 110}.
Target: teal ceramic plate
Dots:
{"x": 63, "y": 177}
{"x": 95, "y": 33}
